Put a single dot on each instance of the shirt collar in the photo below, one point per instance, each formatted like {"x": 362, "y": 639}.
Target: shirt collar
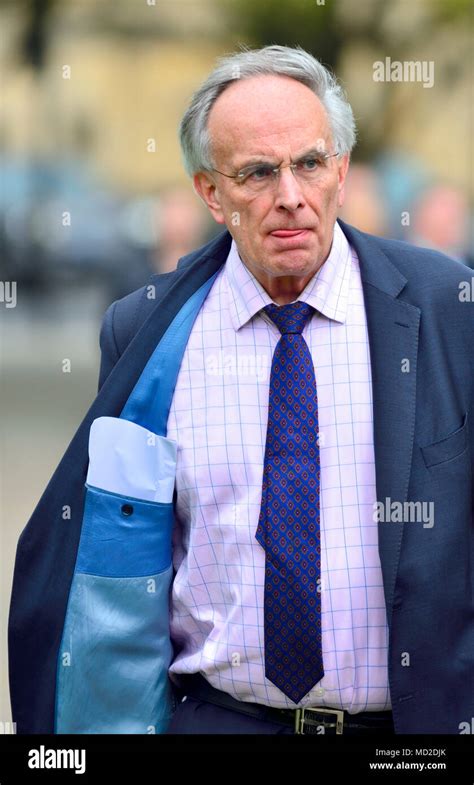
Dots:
{"x": 327, "y": 291}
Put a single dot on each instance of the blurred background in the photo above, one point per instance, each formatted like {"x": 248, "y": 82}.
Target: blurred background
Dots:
{"x": 94, "y": 199}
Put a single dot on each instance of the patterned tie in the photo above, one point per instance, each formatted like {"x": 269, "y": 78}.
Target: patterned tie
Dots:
{"x": 288, "y": 527}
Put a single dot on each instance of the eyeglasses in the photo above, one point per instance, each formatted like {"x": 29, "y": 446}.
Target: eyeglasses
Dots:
{"x": 259, "y": 176}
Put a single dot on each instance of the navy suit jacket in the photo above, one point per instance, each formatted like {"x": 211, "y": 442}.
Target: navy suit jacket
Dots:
{"x": 421, "y": 334}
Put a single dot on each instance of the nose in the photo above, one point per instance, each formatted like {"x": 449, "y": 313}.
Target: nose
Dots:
{"x": 288, "y": 194}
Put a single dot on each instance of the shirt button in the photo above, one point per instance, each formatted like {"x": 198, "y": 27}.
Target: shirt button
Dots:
{"x": 320, "y": 692}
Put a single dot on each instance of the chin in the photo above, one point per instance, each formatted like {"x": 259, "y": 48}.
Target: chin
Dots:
{"x": 294, "y": 262}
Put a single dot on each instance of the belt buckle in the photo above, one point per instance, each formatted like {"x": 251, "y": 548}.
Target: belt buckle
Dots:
{"x": 301, "y": 719}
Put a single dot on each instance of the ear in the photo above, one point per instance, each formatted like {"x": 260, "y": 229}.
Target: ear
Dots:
{"x": 343, "y": 166}
{"x": 206, "y": 188}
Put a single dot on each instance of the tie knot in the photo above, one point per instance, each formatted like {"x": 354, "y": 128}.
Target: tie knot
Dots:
{"x": 290, "y": 318}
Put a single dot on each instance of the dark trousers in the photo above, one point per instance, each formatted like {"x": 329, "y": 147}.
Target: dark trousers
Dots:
{"x": 195, "y": 716}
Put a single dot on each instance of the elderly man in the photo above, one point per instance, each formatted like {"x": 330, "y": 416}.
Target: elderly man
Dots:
{"x": 306, "y": 392}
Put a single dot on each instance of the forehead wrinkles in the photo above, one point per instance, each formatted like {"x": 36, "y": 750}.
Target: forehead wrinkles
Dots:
{"x": 274, "y": 148}
{"x": 266, "y": 116}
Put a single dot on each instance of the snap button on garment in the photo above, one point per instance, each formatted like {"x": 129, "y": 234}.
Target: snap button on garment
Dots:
{"x": 127, "y": 509}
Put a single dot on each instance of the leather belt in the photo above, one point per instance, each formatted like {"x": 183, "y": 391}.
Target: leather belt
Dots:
{"x": 309, "y": 720}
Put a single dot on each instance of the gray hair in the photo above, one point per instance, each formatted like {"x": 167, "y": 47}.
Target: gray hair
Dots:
{"x": 275, "y": 60}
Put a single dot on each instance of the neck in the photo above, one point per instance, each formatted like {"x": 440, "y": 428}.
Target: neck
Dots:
{"x": 286, "y": 288}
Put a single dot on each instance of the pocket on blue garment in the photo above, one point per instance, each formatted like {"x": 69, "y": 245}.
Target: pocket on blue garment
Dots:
{"x": 123, "y": 536}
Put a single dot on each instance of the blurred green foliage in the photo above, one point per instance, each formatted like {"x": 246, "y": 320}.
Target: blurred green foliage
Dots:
{"x": 324, "y": 31}
{"x": 290, "y": 23}
{"x": 453, "y": 9}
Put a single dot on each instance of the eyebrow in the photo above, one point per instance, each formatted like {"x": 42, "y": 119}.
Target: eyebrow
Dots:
{"x": 316, "y": 152}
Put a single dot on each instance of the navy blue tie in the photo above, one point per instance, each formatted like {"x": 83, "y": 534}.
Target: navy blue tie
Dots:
{"x": 288, "y": 527}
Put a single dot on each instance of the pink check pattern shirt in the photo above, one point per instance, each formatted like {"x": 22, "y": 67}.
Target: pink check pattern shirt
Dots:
{"x": 218, "y": 417}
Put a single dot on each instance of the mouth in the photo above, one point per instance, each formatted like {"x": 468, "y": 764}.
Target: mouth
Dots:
{"x": 288, "y": 232}
{"x": 290, "y": 236}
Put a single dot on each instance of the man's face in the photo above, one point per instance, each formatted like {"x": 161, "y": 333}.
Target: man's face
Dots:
{"x": 273, "y": 119}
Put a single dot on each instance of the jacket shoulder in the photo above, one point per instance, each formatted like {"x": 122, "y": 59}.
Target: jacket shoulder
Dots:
{"x": 124, "y": 317}
{"x": 426, "y": 259}
{"x": 128, "y": 314}
{"x": 412, "y": 261}
{"x": 429, "y": 278}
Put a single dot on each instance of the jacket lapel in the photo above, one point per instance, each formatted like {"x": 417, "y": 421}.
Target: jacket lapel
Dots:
{"x": 393, "y": 326}
{"x": 150, "y": 400}
{"x": 171, "y": 297}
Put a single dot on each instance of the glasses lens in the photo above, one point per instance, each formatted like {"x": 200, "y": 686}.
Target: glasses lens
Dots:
{"x": 310, "y": 168}
{"x": 257, "y": 175}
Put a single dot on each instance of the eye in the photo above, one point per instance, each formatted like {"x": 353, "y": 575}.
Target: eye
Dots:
{"x": 309, "y": 164}
{"x": 258, "y": 173}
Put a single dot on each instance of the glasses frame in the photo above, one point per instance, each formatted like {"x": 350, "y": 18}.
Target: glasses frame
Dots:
{"x": 239, "y": 177}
